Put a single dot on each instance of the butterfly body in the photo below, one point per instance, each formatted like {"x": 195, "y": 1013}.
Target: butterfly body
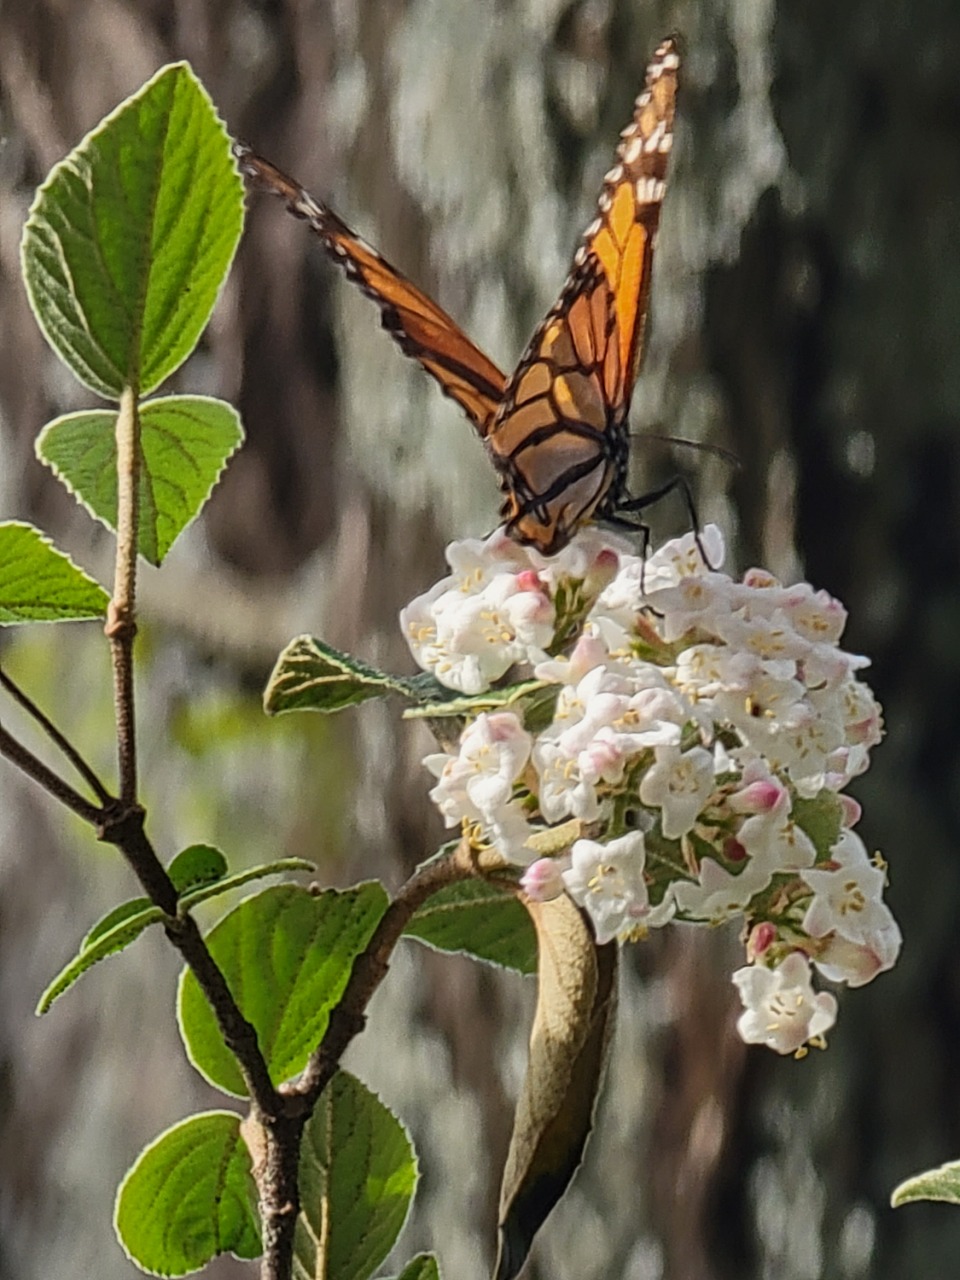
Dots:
{"x": 556, "y": 429}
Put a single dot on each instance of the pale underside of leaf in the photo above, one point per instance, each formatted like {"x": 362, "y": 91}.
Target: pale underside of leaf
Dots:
{"x": 942, "y": 1183}
{"x": 576, "y": 1000}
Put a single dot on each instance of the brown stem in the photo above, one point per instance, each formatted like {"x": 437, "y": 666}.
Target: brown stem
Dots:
{"x": 121, "y": 627}
{"x": 56, "y": 737}
{"x": 370, "y": 967}
{"x": 123, "y": 826}
{"x": 280, "y": 1195}
{"x": 24, "y": 759}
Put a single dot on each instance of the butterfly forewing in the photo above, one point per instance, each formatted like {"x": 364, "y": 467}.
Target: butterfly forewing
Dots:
{"x": 421, "y": 328}
{"x": 559, "y": 440}
{"x": 556, "y": 431}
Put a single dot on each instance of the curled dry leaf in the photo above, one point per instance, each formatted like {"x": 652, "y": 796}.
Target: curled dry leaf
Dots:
{"x": 576, "y": 999}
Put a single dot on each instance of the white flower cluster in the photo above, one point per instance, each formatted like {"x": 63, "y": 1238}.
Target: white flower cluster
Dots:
{"x": 685, "y": 748}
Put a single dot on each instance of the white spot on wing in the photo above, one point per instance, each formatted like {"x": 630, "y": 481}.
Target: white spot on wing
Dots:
{"x": 631, "y": 152}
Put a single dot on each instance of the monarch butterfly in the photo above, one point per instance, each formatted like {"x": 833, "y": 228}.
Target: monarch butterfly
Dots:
{"x": 556, "y": 429}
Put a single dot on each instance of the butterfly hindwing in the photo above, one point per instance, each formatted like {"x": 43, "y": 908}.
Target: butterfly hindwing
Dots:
{"x": 559, "y": 440}
{"x": 422, "y": 329}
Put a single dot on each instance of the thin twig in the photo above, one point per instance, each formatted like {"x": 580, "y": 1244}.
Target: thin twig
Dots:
{"x": 370, "y": 967}
{"x": 121, "y": 627}
{"x": 34, "y": 768}
{"x": 123, "y": 827}
{"x": 55, "y": 736}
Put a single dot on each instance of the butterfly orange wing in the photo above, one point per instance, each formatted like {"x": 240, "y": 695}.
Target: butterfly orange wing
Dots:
{"x": 421, "y": 328}
{"x": 559, "y": 440}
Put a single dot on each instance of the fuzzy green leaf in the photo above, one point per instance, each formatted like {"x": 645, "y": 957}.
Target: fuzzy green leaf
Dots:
{"x": 196, "y": 866}
{"x": 216, "y": 889}
{"x": 934, "y": 1184}
{"x": 313, "y": 676}
{"x": 38, "y": 583}
{"x": 480, "y": 919}
{"x": 130, "y": 237}
{"x": 198, "y": 875}
{"x": 358, "y": 1172}
{"x": 185, "y": 442}
{"x": 821, "y": 818}
{"x": 286, "y": 954}
{"x": 189, "y": 1197}
{"x": 113, "y": 933}
{"x": 473, "y": 704}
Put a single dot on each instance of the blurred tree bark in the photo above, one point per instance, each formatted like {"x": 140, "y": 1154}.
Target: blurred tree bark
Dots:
{"x": 804, "y": 315}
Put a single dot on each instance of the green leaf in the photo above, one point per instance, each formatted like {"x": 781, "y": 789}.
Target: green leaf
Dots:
{"x": 119, "y": 915}
{"x": 129, "y": 239}
{"x": 205, "y": 893}
{"x": 39, "y": 583}
{"x": 197, "y": 873}
{"x": 934, "y": 1184}
{"x": 196, "y": 866}
{"x": 189, "y": 1197}
{"x": 473, "y": 704}
{"x": 358, "y": 1172}
{"x": 423, "y": 1267}
{"x": 481, "y": 919}
{"x": 821, "y": 818}
{"x": 185, "y": 442}
{"x": 286, "y": 954}
{"x": 313, "y": 676}
{"x": 113, "y": 933}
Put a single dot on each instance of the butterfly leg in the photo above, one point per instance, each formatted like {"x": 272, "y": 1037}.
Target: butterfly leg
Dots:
{"x": 654, "y": 495}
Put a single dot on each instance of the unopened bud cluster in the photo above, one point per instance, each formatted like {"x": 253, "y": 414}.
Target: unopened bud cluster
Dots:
{"x": 683, "y": 757}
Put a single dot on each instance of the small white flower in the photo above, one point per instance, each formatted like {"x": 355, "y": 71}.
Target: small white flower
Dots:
{"x": 584, "y": 708}
{"x": 593, "y": 554}
{"x": 856, "y": 964}
{"x": 776, "y": 843}
{"x": 850, "y": 851}
{"x": 589, "y": 652}
{"x": 781, "y": 1009}
{"x": 681, "y": 558}
{"x": 698, "y": 601}
{"x": 861, "y": 714}
{"x": 508, "y": 829}
{"x": 849, "y": 902}
{"x": 718, "y": 894}
{"x": 653, "y": 717}
{"x": 772, "y": 640}
{"x": 494, "y": 750}
{"x": 563, "y": 792}
{"x": 815, "y": 614}
{"x": 607, "y": 881}
{"x": 679, "y": 785}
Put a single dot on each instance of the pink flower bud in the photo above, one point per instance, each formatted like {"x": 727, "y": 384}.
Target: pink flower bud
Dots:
{"x": 602, "y": 758}
{"x": 733, "y": 850}
{"x": 602, "y": 571}
{"x": 850, "y": 810}
{"x": 543, "y": 880}
{"x": 759, "y": 578}
{"x": 761, "y": 936}
{"x": 761, "y": 796}
{"x": 528, "y": 580}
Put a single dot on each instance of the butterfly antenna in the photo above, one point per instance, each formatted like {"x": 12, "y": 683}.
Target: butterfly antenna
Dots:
{"x": 702, "y": 446}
